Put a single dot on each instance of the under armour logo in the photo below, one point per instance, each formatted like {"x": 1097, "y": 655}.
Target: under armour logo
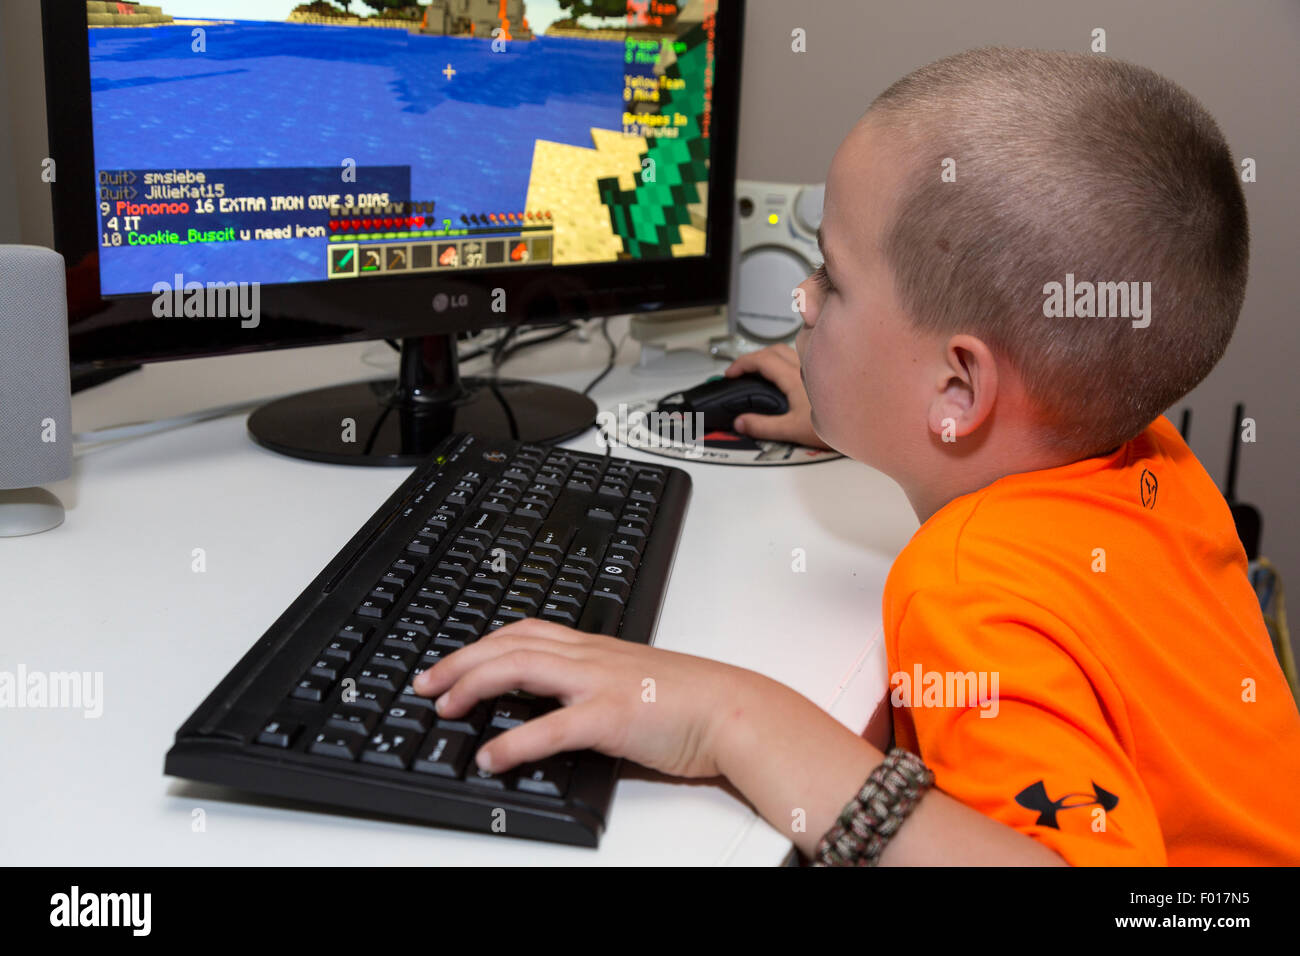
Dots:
{"x": 1034, "y": 797}
{"x": 1148, "y": 483}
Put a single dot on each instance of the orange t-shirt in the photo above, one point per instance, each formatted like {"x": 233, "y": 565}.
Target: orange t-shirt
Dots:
{"x": 1132, "y": 710}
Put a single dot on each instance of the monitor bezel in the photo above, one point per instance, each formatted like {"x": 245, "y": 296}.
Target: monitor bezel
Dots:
{"x": 117, "y": 330}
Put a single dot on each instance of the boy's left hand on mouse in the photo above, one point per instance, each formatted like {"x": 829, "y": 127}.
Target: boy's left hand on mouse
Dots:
{"x": 656, "y": 707}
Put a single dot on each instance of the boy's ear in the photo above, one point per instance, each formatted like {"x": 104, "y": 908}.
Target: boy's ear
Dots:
{"x": 966, "y": 388}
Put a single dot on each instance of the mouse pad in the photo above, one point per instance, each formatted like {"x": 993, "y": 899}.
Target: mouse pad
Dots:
{"x": 636, "y": 425}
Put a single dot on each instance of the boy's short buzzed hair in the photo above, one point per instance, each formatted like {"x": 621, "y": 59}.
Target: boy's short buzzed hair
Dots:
{"x": 1068, "y": 163}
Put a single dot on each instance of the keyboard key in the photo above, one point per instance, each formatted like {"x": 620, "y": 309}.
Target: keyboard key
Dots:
{"x": 340, "y": 651}
{"x": 407, "y": 640}
{"x": 560, "y": 614}
{"x": 521, "y": 526}
{"x": 485, "y": 779}
{"x": 337, "y": 743}
{"x": 463, "y": 551}
{"x": 611, "y": 586}
{"x": 588, "y": 547}
{"x": 457, "y": 567}
{"x": 391, "y": 748}
{"x": 431, "y": 656}
{"x": 374, "y": 608}
{"x": 510, "y": 712}
{"x": 356, "y": 634}
{"x": 549, "y": 777}
{"x": 445, "y": 753}
{"x": 327, "y": 667}
{"x": 484, "y": 588}
{"x": 416, "y": 621}
{"x": 371, "y": 698}
{"x": 396, "y": 657}
{"x": 575, "y": 574}
{"x": 465, "y": 626}
{"x": 554, "y": 538}
{"x": 635, "y": 542}
{"x": 621, "y": 555}
{"x": 311, "y": 688}
{"x": 411, "y": 719}
{"x": 564, "y": 599}
{"x": 524, "y": 600}
{"x": 470, "y": 606}
{"x": 385, "y": 592}
{"x": 475, "y": 721}
{"x": 383, "y": 677}
{"x": 452, "y": 640}
{"x": 399, "y": 578}
{"x": 279, "y": 732}
{"x": 514, "y": 611}
{"x": 352, "y": 720}
{"x": 602, "y": 615}
{"x": 541, "y": 562}
{"x": 419, "y": 546}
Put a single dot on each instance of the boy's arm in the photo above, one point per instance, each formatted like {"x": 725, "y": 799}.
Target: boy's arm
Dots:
{"x": 799, "y": 767}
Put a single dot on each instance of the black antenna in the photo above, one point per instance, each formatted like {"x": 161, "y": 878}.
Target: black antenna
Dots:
{"x": 1230, "y": 492}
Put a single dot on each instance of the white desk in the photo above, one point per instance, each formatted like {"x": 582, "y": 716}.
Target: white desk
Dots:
{"x": 112, "y": 590}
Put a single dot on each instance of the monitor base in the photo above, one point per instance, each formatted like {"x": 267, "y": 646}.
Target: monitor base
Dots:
{"x": 399, "y": 423}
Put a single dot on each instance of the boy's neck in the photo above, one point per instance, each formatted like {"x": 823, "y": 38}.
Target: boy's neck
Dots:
{"x": 928, "y": 497}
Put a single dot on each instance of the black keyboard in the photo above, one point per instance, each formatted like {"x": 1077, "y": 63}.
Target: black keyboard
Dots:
{"x": 483, "y": 533}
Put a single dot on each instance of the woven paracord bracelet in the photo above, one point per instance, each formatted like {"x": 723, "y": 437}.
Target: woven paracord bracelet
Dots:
{"x": 871, "y": 818}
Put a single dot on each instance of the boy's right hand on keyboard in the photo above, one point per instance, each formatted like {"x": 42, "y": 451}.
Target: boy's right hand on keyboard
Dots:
{"x": 779, "y": 364}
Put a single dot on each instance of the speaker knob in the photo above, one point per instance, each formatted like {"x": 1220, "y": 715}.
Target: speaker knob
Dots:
{"x": 808, "y": 207}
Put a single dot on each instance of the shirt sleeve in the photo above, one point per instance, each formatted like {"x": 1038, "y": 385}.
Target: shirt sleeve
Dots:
{"x": 1018, "y": 720}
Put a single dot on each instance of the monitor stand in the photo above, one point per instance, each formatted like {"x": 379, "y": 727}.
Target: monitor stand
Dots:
{"x": 386, "y": 422}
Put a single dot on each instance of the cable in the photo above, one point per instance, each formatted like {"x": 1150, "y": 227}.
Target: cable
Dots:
{"x": 613, "y": 351}
{"x": 138, "y": 429}
{"x": 538, "y": 340}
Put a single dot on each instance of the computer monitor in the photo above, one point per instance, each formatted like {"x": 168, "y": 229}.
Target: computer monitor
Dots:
{"x": 226, "y": 185}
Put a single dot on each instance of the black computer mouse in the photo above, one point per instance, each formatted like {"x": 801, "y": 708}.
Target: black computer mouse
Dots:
{"x": 721, "y": 399}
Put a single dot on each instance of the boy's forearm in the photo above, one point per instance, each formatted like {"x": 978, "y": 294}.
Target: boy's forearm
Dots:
{"x": 799, "y": 767}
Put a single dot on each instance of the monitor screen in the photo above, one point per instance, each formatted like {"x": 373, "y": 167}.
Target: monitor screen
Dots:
{"x": 467, "y": 134}
{"x": 356, "y": 161}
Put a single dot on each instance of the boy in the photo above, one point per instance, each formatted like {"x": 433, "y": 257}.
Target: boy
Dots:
{"x": 1070, "y": 544}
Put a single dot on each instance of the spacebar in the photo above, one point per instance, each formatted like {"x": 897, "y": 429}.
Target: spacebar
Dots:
{"x": 601, "y": 616}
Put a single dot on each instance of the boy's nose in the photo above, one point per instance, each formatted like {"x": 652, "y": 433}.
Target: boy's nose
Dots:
{"x": 809, "y": 298}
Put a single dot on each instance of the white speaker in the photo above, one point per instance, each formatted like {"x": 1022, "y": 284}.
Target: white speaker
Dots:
{"x": 775, "y": 250}
{"x": 35, "y": 392}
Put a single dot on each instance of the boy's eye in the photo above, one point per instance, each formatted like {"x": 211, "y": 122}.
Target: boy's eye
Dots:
{"x": 822, "y": 279}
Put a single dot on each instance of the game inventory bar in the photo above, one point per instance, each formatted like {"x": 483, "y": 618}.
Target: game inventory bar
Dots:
{"x": 351, "y": 259}
{"x": 367, "y": 241}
